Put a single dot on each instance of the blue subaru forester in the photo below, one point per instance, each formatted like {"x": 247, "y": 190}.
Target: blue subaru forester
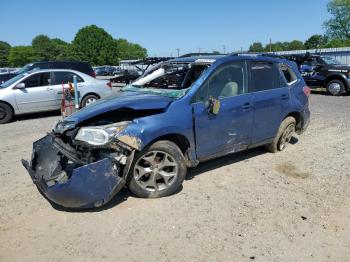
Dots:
{"x": 177, "y": 114}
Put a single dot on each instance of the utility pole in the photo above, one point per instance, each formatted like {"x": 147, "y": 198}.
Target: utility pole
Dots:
{"x": 178, "y": 52}
{"x": 224, "y": 48}
{"x": 270, "y": 45}
{"x": 199, "y": 50}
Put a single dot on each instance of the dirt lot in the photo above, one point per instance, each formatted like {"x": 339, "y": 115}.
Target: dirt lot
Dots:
{"x": 291, "y": 206}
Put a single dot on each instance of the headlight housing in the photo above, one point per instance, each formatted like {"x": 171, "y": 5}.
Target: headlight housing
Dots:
{"x": 100, "y": 135}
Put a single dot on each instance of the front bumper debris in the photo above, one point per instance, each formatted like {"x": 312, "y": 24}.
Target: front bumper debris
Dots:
{"x": 70, "y": 184}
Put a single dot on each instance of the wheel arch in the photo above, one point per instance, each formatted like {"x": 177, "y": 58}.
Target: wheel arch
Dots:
{"x": 178, "y": 139}
{"x": 11, "y": 106}
{"x": 88, "y": 94}
{"x": 298, "y": 118}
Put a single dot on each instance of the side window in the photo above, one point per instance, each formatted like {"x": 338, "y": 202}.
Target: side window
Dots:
{"x": 264, "y": 76}
{"x": 227, "y": 81}
{"x": 288, "y": 74}
{"x": 37, "y": 80}
{"x": 65, "y": 77}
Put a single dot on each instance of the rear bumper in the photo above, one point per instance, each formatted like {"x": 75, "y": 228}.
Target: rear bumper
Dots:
{"x": 83, "y": 186}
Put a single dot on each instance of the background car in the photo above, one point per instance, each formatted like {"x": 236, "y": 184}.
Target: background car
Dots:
{"x": 105, "y": 71}
{"x": 41, "y": 90}
{"x": 83, "y": 67}
{"x": 126, "y": 76}
{"x": 323, "y": 71}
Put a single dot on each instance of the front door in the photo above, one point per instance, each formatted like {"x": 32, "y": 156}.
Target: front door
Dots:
{"x": 230, "y": 129}
{"x": 37, "y": 95}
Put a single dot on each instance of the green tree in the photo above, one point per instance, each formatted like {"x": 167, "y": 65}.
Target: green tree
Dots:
{"x": 334, "y": 43}
{"x": 315, "y": 41}
{"x": 338, "y": 27}
{"x": 21, "y": 55}
{"x": 95, "y": 45}
{"x": 127, "y": 50}
{"x": 62, "y": 50}
{"x": 256, "y": 47}
{"x": 295, "y": 45}
{"x": 275, "y": 47}
{"x": 4, "y": 53}
{"x": 44, "y": 48}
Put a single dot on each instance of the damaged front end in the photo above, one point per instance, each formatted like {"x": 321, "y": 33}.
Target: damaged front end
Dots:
{"x": 76, "y": 174}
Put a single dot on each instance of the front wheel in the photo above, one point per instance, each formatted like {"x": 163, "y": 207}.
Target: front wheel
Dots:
{"x": 157, "y": 171}
{"x": 6, "y": 113}
{"x": 284, "y": 135}
{"x": 335, "y": 87}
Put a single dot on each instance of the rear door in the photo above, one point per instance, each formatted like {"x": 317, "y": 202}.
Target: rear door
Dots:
{"x": 37, "y": 95}
{"x": 230, "y": 129}
{"x": 62, "y": 78}
{"x": 270, "y": 99}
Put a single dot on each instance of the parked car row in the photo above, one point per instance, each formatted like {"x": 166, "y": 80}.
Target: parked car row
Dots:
{"x": 41, "y": 90}
{"x": 83, "y": 67}
{"x": 178, "y": 114}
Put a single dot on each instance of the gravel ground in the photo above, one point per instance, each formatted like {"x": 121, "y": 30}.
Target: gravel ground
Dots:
{"x": 290, "y": 206}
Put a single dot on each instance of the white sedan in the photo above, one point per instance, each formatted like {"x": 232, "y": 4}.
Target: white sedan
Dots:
{"x": 41, "y": 90}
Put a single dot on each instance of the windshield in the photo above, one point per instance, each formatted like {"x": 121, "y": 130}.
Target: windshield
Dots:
{"x": 168, "y": 79}
{"x": 12, "y": 80}
{"x": 25, "y": 68}
{"x": 330, "y": 60}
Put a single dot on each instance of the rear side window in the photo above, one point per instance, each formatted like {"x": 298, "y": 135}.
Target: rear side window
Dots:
{"x": 288, "y": 74}
{"x": 264, "y": 76}
{"x": 65, "y": 77}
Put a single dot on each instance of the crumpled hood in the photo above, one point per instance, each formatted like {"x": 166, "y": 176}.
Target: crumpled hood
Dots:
{"x": 132, "y": 100}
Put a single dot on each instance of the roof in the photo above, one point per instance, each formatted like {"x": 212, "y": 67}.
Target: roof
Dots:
{"x": 192, "y": 59}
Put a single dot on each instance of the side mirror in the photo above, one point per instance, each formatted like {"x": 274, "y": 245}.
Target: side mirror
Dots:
{"x": 20, "y": 86}
{"x": 214, "y": 106}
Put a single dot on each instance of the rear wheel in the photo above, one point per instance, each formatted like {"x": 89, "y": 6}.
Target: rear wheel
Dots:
{"x": 284, "y": 135}
{"x": 6, "y": 113}
{"x": 335, "y": 87}
{"x": 157, "y": 171}
{"x": 88, "y": 100}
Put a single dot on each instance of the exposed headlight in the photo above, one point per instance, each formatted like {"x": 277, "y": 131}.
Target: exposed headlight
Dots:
{"x": 62, "y": 126}
{"x": 100, "y": 135}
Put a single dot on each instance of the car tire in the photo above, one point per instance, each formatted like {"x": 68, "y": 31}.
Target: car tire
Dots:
{"x": 6, "y": 113}
{"x": 157, "y": 171}
{"x": 89, "y": 99}
{"x": 335, "y": 88}
{"x": 284, "y": 135}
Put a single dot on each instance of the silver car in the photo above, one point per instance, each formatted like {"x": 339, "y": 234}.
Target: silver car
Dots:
{"x": 41, "y": 90}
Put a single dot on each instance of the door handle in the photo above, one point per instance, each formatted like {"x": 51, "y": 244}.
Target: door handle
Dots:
{"x": 49, "y": 88}
{"x": 246, "y": 106}
{"x": 284, "y": 96}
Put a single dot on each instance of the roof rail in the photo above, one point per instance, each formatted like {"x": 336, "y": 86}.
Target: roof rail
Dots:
{"x": 256, "y": 54}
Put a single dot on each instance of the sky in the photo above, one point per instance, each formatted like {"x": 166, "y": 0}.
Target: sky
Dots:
{"x": 162, "y": 26}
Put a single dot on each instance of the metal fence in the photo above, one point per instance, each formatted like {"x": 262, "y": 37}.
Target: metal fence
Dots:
{"x": 341, "y": 54}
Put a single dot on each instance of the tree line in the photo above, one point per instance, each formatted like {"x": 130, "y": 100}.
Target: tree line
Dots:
{"x": 337, "y": 32}
{"x": 91, "y": 43}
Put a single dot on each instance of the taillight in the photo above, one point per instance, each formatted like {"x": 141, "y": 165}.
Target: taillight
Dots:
{"x": 109, "y": 84}
{"x": 93, "y": 74}
{"x": 307, "y": 91}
